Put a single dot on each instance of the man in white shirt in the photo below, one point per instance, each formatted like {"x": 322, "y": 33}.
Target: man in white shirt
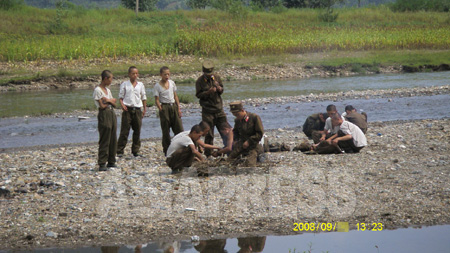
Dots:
{"x": 350, "y": 138}
{"x": 328, "y": 131}
{"x": 133, "y": 101}
{"x": 182, "y": 152}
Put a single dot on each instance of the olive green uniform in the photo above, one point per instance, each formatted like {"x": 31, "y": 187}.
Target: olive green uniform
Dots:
{"x": 169, "y": 118}
{"x": 249, "y": 129}
{"x": 131, "y": 118}
{"x": 358, "y": 119}
{"x": 212, "y": 105}
{"x": 313, "y": 123}
{"x": 107, "y": 129}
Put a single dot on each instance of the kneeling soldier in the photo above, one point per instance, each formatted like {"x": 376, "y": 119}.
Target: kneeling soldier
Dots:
{"x": 248, "y": 131}
{"x": 182, "y": 152}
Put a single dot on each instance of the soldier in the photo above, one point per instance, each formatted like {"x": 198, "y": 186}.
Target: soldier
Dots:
{"x": 209, "y": 89}
{"x": 182, "y": 151}
{"x": 328, "y": 130}
{"x": 166, "y": 99}
{"x": 350, "y": 138}
{"x": 107, "y": 122}
{"x": 314, "y": 122}
{"x": 132, "y": 98}
{"x": 359, "y": 119}
{"x": 247, "y": 132}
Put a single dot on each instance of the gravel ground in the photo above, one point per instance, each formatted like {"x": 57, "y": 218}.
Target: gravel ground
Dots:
{"x": 56, "y": 196}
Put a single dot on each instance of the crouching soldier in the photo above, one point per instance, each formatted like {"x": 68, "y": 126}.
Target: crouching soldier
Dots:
{"x": 359, "y": 119}
{"x": 247, "y": 132}
{"x": 350, "y": 138}
{"x": 315, "y": 122}
{"x": 182, "y": 152}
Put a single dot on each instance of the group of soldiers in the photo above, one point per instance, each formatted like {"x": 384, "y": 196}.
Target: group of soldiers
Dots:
{"x": 330, "y": 131}
{"x": 241, "y": 140}
{"x": 186, "y": 146}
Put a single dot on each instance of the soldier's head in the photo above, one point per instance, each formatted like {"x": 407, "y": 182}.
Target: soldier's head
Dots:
{"x": 331, "y": 110}
{"x": 164, "y": 72}
{"x": 349, "y": 109}
{"x": 107, "y": 77}
{"x": 133, "y": 73}
{"x": 237, "y": 109}
{"x": 205, "y": 127}
{"x": 336, "y": 120}
{"x": 196, "y": 133}
{"x": 208, "y": 68}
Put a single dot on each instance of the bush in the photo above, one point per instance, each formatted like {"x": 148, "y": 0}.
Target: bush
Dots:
{"x": 328, "y": 15}
{"x": 421, "y": 5}
{"x": 10, "y": 4}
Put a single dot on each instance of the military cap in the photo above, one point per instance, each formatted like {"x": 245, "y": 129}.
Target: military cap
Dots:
{"x": 208, "y": 66}
{"x": 236, "y": 106}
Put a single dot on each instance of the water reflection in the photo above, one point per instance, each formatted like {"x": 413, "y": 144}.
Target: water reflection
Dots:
{"x": 211, "y": 246}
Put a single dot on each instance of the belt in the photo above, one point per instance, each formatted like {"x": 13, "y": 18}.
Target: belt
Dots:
{"x": 107, "y": 107}
{"x": 133, "y": 108}
{"x": 171, "y": 104}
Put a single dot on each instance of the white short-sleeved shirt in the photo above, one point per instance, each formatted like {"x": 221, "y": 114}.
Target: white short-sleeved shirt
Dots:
{"x": 180, "y": 140}
{"x": 359, "y": 139}
{"x": 99, "y": 94}
{"x": 165, "y": 96}
{"x": 329, "y": 126}
{"x": 132, "y": 96}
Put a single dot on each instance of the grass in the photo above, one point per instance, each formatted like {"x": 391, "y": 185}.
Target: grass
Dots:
{"x": 28, "y": 34}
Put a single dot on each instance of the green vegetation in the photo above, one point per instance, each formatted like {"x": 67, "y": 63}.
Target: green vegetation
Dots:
{"x": 68, "y": 32}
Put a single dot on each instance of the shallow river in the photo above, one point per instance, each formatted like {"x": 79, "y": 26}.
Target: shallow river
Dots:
{"x": 35, "y": 102}
{"x": 426, "y": 239}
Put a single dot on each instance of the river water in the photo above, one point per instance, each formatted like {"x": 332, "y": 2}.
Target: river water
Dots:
{"x": 426, "y": 239}
{"x": 34, "y": 131}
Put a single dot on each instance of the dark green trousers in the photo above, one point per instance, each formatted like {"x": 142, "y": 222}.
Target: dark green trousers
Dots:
{"x": 107, "y": 129}
{"x": 180, "y": 159}
{"x": 169, "y": 118}
{"x": 218, "y": 120}
{"x": 131, "y": 118}
{"x": 251, "y": 153}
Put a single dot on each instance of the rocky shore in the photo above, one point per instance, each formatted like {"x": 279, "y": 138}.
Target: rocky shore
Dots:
{"x": 56, "y": 196}
{"x": 228, "y": 72}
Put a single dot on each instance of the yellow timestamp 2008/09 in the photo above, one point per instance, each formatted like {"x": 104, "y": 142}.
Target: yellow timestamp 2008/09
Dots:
{"x": 369, "y": 226}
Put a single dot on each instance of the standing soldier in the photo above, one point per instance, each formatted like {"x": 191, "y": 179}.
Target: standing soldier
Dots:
{"x": 209, "y": 89}
{"x": 247, "y": 132}
{"x": 166, "y": 99}
{"x": 107, "y": 122}
{"x": 132, "y": 98}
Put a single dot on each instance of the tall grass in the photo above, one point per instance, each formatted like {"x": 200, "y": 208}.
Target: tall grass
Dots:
{"x": 27, "y": 33}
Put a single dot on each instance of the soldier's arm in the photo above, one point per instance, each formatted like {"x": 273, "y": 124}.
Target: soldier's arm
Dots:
{"x": 259, "y": 131}
{"x": 220, "y": 88}
{"x": 236, "y": 135}
{"x": 196, "y": 153}
{"x": 200, "y": 93}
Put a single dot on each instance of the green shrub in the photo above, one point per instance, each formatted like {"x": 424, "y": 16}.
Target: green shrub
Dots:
{"x": 10, "y": 4}
{"x": 421, "y": 5}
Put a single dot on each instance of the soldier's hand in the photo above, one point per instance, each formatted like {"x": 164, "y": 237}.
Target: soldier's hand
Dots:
{"x": 124, "y": 108}
{"x": 219, "y": 88}
{"x": 335, "y": 141}
{"x": 245, "y": 145}
{"x": 322, "y": 138}
{"x": 213, "y": 89}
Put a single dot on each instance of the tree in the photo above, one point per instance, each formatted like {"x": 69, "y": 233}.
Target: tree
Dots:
{"x": 198, "y": 4}
{"x": 144, "y": 5}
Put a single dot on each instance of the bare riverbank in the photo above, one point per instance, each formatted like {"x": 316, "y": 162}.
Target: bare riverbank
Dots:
{"x": 56, "y": 197}
{"x": 186, "y": 69}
